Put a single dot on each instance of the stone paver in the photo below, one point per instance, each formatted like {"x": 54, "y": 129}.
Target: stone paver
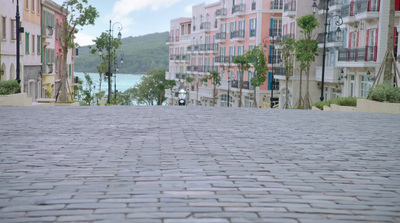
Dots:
{"x": 196, "y": 164}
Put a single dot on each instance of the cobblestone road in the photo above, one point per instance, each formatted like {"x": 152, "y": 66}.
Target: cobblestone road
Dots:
{"x": 197, "y": 165}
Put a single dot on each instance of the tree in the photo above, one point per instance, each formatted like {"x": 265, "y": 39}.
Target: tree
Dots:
{"x": 257, "y": 60}
{"x": 306, "y": 50}
{"x": 243, "y": 64}
{"x": 104, "y": 42}
{"x": 152, "y": 88}
{"x": 287, "y": 48}
{"x": 388, "y": 76}
{"x": 215, "y": 80}
{"x": 77, "y": 14}
{"x": 88, "y": 92}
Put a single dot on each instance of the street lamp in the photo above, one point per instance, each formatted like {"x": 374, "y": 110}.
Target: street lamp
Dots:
{"x": 338, "y": 37}
{"x": 273, "y": 58}
{"x": 121, "y": 55}
{"x": 18, "y": 30}
{"x": 110, "y": 38}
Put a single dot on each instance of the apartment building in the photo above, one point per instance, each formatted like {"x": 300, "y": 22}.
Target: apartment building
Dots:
{"x": 353, "y": 60}
{"x": 8, "y": 42}
{"x": 32, "y": 78}
{"x": 221, "y": 31}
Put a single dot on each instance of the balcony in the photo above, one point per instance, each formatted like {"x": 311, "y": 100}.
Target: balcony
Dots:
{"x": 237, "y": 35}
{"x": 277, "y": 5}
{"x": 253, "y": 6}
{"x": 289, "y": 9}
{"x": 220, "y": 13}
{"x": 211, "y": 48}
{"x": 363, "y": 54}
{"x": 224, "y": 59}
{"x": 331, "y": 40}
{"x": 252, "y": 32}
{"x": 245, "y": 85}
{"x": 364, "y": 10}
{"x": 208, "y": 69}
{"x": 274, "y": 59}
{"x": 180, "y": 76}
{"x": 331, "y": 74}
{"x": 273, "y": 32}
{"x": 347, "y": 13}
{"x": 278, "y": 40}
{"x": 279, "y": 71}
{"x": 220, "y": 37}
{"x": 205, "y": 25}
{"x": 334, "y": 5}
{"x": 239, "y": 9}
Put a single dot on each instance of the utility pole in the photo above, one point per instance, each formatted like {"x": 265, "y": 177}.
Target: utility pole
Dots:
{"x": 17, "y": 32}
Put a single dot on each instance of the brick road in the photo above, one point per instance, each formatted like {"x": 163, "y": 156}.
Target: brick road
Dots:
{"x": 197, "y": 165}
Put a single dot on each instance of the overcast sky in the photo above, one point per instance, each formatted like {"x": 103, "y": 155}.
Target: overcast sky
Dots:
{"x": 138, "y": 17}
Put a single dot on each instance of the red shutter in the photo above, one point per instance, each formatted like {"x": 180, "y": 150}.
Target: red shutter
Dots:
{"x": 369, "y": 5}
{"x": 366, "y": 46}
{"x": 358, "y": 38}
{"x": 397, "y": 5}
{"x": 376, "y": 44}
{"x": 351, "y": 7}
{"x": 394, "y": 37}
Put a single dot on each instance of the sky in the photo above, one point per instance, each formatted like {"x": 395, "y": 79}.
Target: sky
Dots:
{"x": 137, "y": 17}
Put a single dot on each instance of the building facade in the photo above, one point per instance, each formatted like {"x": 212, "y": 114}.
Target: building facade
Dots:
{"x": 8, "y": 41}
{"x": 219, "y": 32}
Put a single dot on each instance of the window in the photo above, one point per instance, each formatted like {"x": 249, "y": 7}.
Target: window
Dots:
{"x": 33, "y": 6}
{"x": 27, "y": 43}
{"x": 13, "y": 29}
{"x": 38, "y": 7}
{"x": 352, "y": 84}
{"x": 232, "y": 51}
{"x": 335, "y": 93}
{"x": 365, "y": 86}
{"x": 69, "y": 70}
{"x": 27, "y": 5}
{"x": 240, "y": 50}
{"x": 4, "y": 28}
{"x": 253, "y": 23}
{"x": 33, "y": 44}
{"x": 39, "y": 45}
{"x": 276, "y": 25}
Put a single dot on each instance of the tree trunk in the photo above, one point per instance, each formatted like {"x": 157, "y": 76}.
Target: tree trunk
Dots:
{"x": 307, "y": 102}
{"x": 300, "y": 102}
{"x": 286, "y": 106}
{"x": 214, "y": 94}
{"x": 64, "y": 75}
{"x": 387, "y": 75}
{"x": 240, "y": 91}
{"x": 255, "y": 98}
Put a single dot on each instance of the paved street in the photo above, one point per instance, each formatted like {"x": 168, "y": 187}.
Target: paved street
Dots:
{"x": 197, "y": 165}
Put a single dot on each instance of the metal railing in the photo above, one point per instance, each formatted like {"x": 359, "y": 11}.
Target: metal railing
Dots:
{"x": 205, "y": 25}
{"x": 237, "y": 34}
{"x": 180, "y": 76}
{"x": 322, "y": 4}
{"x": 275, "y": 32}
{"x": 245, "y": 85}
{"x": 221, "y": 12}
{"x": 224, "y": 59}
{"x": 274, "y": 59}
{"x": 238, "y": 8}
{"x": 362, "y": 6}
{"x": 362, "y": 54}
{"x": 280, "y": 71}
{"x": 330, "y": 37}
{"x": 290, "y": 6}
{"x": 220, "y": 36}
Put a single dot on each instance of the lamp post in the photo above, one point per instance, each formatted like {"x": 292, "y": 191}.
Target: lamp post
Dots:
{"x": 18, "y": 30}
{"x": 121, "y": 55}
{"x": 110, "y": 38}
{"x": 273, "y": 58}
{"x": 338, "y": 36}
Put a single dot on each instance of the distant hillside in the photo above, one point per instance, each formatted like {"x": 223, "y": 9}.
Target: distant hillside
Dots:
{"x": 142, "y": 53}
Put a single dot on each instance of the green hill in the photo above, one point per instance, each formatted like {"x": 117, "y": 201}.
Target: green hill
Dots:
{"x": 142, "y": 53}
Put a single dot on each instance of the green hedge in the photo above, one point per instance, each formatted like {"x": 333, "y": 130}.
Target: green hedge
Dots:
{"x": 385, "y": 92}
{"x": 350, "y": 101}
{"x": 9, "y": 87}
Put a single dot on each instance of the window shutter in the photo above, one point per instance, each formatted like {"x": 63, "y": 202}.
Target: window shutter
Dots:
{"x": 269, "y": 80}
{"x": 376, "y": 44}
{"x": 366, "y": 44}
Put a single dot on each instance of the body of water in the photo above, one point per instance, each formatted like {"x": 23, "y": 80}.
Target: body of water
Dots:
{"x": 124, "y": 81}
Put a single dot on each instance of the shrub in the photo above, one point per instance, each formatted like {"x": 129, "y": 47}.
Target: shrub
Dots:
{"x": 9, "y": 87}
{"x": 350, "y": 101}
{"x": 385, "y": 92}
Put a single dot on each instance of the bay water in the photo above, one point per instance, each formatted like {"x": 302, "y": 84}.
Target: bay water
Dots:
{"x": 124, "y": 81}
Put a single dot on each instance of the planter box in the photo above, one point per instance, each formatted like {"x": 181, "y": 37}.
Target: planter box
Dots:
{"x": 342, "y": 108}
{"x": 21, "y": 99}
{"x": 364, "y": 105}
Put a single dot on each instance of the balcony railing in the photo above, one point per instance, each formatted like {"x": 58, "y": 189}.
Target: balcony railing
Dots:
{"x": 237, "y": 34}
{"x": 238, "y": 8}
{"x": 358, "y": 54}
{"x": 330, "y": 37}
{"x": 290, "y": 6}
{"x": 180, "y": 76}
{"x": 252, "y": 32}
{"x": 347, "y": 10}
{"x": 277, "y": 4}
{"x": 221, "y": 12}
{"x": 290, "y": 35}
{"x": 274, "y": 32}
{"x": 211, "y": 47}
{"x": 362, "y": 6}
{"x": 253, "y": 6}
{"x": 280, "y": 71}
{"x": 208, "y": 69}
{"x": 235, "y": 84}
{"x": 224, "y": 59}
{"x": 245, "y": 85}
{"x": 205, "y": 25}
{"x": 322, "y": 4}
{"x": 274, "y": 59}
{"x": 220, "y": 36}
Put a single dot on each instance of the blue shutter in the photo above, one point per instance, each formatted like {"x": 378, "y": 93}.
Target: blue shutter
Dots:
{"x": 269, "y": 80}
{"x": 271, "y": 27}
{"x": 255, "y": 27}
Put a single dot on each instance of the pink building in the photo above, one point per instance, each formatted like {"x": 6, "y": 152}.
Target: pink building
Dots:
{"x": 221, "y": 31}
